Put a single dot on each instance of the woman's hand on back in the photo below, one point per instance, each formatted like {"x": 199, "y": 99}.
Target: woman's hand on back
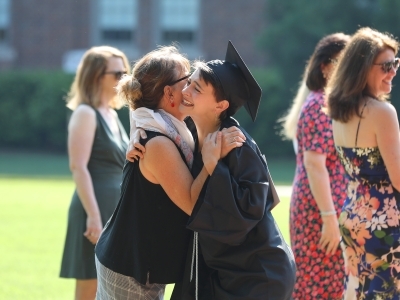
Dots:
{"x": 211, "y": 151}
{"x": 232, "y": 137}
{"x": 135, "y": 148}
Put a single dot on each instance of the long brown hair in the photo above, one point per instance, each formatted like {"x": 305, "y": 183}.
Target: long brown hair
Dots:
{"x": 348, "y": 84}
{"x": 85, "y": 87}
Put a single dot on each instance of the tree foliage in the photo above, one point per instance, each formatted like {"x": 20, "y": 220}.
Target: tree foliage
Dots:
{"x": 294, "y": 28}
{"x": 32, "y": 110}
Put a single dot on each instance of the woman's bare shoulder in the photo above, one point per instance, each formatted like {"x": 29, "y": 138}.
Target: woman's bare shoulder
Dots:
{"x": 84, "y": 111}
{"x": 381, "y": 109}
{"x": 83, "y": 115}
{"x": 160, "y": 145}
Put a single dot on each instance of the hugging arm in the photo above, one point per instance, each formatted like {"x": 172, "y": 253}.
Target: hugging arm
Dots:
{"x": 232, "y": 137}
{"x": 163, "y": 165}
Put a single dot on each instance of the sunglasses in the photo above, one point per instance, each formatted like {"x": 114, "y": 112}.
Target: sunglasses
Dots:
{"x": 180, "y": 79}
{"x": 387, "y": 66}
{"x": 117, "y": 74}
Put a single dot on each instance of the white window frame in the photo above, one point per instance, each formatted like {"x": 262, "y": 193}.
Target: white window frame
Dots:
{"x": 179, "y": 21}
{"x": 118, "y": 19}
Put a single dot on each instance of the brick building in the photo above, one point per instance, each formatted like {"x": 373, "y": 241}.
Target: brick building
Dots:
{"x": 50, "y": 34}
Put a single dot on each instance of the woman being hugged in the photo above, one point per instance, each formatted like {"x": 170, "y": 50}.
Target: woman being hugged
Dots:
{"x": 366, "y": 134}
{"x": 238, "y": 250}
{"x": 96, "y": 149}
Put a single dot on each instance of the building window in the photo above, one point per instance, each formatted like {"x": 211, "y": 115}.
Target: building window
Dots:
{"x": 179, "y": 21}
{"x": 4, "y": 20}
{"x": 117, "y": 20}
{"x": 117, "y": 35}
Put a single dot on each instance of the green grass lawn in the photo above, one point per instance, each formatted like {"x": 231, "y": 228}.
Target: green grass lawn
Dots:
{"x": 33, "y": 216}
{"x": 35, "y": 191}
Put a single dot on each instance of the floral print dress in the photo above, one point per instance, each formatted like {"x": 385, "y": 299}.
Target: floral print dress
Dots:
{"x": 319, "y": 276}
{"x": 369, "y": 225}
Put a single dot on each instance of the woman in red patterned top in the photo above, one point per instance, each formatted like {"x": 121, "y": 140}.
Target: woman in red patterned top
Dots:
{"x": 319, "y": 187}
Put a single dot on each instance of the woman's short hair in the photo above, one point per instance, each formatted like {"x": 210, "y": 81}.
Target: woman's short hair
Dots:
{"x": 85, "y": 87}
{"x": 150, "y": 74}
{"x": 328, "y": 47}
{"x": 348, "y": 84}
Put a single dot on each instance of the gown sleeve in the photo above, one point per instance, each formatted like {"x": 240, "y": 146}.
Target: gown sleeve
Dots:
{"x": 234, "y": 199}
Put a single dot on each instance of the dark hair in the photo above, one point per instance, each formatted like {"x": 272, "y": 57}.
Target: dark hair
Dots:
{"x": 155, "y": 70}
{"x": 209, "y": 77}
{"x": 348, "y": 84}
{"x": 325, "y": 50}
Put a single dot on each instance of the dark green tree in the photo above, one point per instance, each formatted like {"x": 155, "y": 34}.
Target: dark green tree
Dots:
{"x": 294, "y": 28}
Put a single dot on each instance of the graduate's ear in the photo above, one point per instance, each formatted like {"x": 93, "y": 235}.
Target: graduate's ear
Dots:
{"x": 222, "y": 106}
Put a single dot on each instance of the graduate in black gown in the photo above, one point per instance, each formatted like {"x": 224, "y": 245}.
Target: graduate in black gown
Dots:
{"x": 238, "y": 251}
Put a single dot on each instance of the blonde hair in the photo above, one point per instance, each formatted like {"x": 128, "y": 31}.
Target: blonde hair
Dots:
{"x": 150, "y": 74}
{"x": 85, "y": 87}
{"x": 289, "y": 121}
{"x": 348, "y": 86}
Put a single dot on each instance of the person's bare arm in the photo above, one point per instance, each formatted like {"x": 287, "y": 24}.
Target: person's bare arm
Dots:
{"x": 163, "y": 165}
{"x": 388, "y": 139}
{"x": 232, "y": 137}
{"x": 318, "y": 178}
{"x": 81, "y": 131}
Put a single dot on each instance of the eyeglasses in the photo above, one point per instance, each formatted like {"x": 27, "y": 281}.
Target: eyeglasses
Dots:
{"x": 117, "y": 74}
{"x": 389, "y": 65}
{"x": 180, "y": 79}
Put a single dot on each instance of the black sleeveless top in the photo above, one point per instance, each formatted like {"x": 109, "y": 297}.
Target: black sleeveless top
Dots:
{"x": 147, "y": 232}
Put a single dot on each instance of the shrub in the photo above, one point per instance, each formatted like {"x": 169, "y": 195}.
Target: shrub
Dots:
{"x": 32, "y": 110}
{"x": 33, "y": 115}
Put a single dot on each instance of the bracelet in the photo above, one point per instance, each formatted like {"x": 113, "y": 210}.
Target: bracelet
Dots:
{"x": 327, "y": 213}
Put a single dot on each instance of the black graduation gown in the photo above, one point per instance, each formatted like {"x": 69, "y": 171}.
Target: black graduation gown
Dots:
{"x": 246, "y": 255}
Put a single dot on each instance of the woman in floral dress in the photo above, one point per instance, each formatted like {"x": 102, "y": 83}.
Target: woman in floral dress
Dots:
{"x": 319, "y": 186}
{"x": 366, "y": 132}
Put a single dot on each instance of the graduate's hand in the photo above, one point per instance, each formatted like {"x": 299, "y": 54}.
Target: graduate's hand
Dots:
{"x": 232, "y": 137}
{"x": 330, "y": 234}
{"x": 135, "y": 149}
{"x": 211, "y": 151}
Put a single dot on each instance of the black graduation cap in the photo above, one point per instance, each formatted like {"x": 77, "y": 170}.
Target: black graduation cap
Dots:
{"x": 239, "y": 86}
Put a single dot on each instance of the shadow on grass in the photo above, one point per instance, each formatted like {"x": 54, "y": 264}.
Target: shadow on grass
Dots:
{"x": 25, "y": 164}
